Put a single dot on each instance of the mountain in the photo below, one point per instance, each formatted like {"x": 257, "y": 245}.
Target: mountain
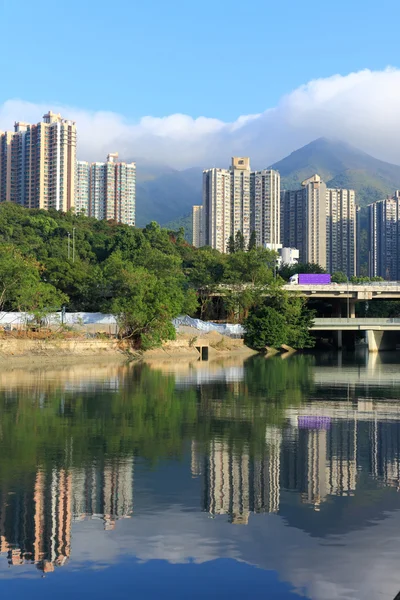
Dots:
{"x": 340, "y": 165}
{"x": 186, "y": 222}
{"x": 164, "y": 194}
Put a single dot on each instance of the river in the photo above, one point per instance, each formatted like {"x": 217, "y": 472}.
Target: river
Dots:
{"x": 273, "y": 478}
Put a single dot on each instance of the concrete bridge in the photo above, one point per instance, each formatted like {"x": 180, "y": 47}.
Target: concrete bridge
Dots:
{"x": 342, "y": 296}
{"x": 379, "y": 334}
{"x": 386, "y": 290}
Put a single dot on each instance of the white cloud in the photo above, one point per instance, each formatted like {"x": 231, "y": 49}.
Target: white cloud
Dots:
{"x": 361, "y": 108}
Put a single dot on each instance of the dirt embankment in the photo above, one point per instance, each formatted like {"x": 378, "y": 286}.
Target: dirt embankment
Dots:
{"x": 187, "y": 346}
{"x": 51, "y": 350}
{"x": 189, "y": 342}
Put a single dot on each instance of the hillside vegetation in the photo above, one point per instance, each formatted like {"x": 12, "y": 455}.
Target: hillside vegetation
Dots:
{"x": 145, "y": 277}
{"x": 340, "y": 165}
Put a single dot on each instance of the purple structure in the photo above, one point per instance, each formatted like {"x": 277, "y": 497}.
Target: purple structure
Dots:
{"x": 314, "y": 422}
{"x": 314, "y": 278}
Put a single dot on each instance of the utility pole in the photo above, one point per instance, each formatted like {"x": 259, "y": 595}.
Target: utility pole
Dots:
{"x": 348, "y": 299}
{"x": 69, "y": 245}
{"x": 73, "y": 244}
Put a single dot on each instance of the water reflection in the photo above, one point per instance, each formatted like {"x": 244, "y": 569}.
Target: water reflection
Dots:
{"x": 312, "y": 443}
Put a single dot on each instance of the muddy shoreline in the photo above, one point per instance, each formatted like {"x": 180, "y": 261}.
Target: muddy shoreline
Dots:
{"x": 28, "y": 353}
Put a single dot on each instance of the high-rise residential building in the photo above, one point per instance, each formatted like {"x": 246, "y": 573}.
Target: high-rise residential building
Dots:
{"x": 237, "y": 199}
{"x": 217, "y": 208}
{"x": 316, "y": 220}
{"x": 384, "y": 238}
{"x": 98, "y": 190}
{"x": 5, "y": 165}
{"x": 303, "y": 220}
{"x": 112, "y": 191}
{"x": 197, "y": 223}
{"x": 240, "y": 197}
{"x": 82, "y": 183}
{"x": 265, "y": 207}
{"x": 38, "y": 169}
{"x": 107, "y": 190}
{"x": 322, "y": 224}
{"x": 38, "y": 162}
{"x": 341, "y": 234}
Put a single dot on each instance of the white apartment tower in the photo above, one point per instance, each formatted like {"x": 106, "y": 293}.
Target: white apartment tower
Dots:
{"x": 316, "y": 220}
{"x": 97, "y": 190}
{"x": 217, "y": 208}
{"x": 82, "y": 183}
{"x": 38, "y": 162}
{"x": 240, "y": 197}
{"x": 303, "y": 220}
{"x": 197, "y": 223}
{"x": 384, "y": 238}
{"x": 266, "y": 209}
{"x": 237, "y": 199}
{"x": 322, "y": 224}
{"x": 341, "y": 231}
{"x": 107, "y": 190}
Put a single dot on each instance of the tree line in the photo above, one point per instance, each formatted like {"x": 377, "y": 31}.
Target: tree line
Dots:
{"x": 146, "y": 277}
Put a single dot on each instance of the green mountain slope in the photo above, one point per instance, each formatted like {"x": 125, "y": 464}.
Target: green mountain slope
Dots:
{"x": 164, "y": 194}
{"x": 185, "y": 222}
{"x": 340, "y": 165}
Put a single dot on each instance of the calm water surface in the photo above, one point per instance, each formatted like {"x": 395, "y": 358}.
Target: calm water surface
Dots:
{"x": 272, "y": 478}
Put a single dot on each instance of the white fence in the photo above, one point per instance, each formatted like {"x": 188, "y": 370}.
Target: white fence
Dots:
{"x": 84, "y": 320}
{"x": 236, "y": 331}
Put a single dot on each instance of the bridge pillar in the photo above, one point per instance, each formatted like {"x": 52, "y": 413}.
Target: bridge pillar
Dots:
{"x": 337, "y": 337}
{"x": 349, "y": 340}
{"x": 382, "y": 340}
{"x": 352, "y": 308}
{"x": 336, "y": 308}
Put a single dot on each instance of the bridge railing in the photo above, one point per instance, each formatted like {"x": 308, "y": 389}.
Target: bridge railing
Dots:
{"x": 355, "y": 321}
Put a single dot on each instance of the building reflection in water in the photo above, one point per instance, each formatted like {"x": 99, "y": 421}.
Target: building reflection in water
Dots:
{"x": 35, "y": 524}
{"x": 317, "y": 452}
{"x": 236, "y": 484}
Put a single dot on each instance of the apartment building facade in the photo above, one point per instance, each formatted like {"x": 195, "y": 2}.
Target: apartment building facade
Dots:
{"x": 217, "y": 208}
{"x": 38, "y": 162}
{"x": 237, "y": 199}
{"x": 265, "y": 207}
{"x": 240, "y": 197}
{"x": 82, "y": 184}
{"x": 341, "y": 231}
{"x": 107, "y": 190}
{"x": 384, "y": 238}
{"x": 322, "y": 224}
{"x": 197, "y": 224}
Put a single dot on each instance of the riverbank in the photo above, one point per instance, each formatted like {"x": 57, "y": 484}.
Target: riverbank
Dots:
{"x": 187, "y": 346}
{"x": 53, "y": 350}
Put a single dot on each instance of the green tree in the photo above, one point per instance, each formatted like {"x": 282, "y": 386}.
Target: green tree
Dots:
{"x": 39, "y": 300}
{"x": 240, "y": 245}
{"x": 143, "y": 303}
{"x": 339, "y": 277}
{"x": 265, "y": 326}
{"x": 286, "y": 271}
{"x": 16, "y": 272}
{"x": 231, "y": 245}
{"x": 252, "y": 241}
{"x": 279, "y": 318}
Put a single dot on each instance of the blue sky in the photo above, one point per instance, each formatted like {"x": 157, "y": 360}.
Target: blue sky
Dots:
{"x": 213, "y": 58}
{"x": 169, "y": 81}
